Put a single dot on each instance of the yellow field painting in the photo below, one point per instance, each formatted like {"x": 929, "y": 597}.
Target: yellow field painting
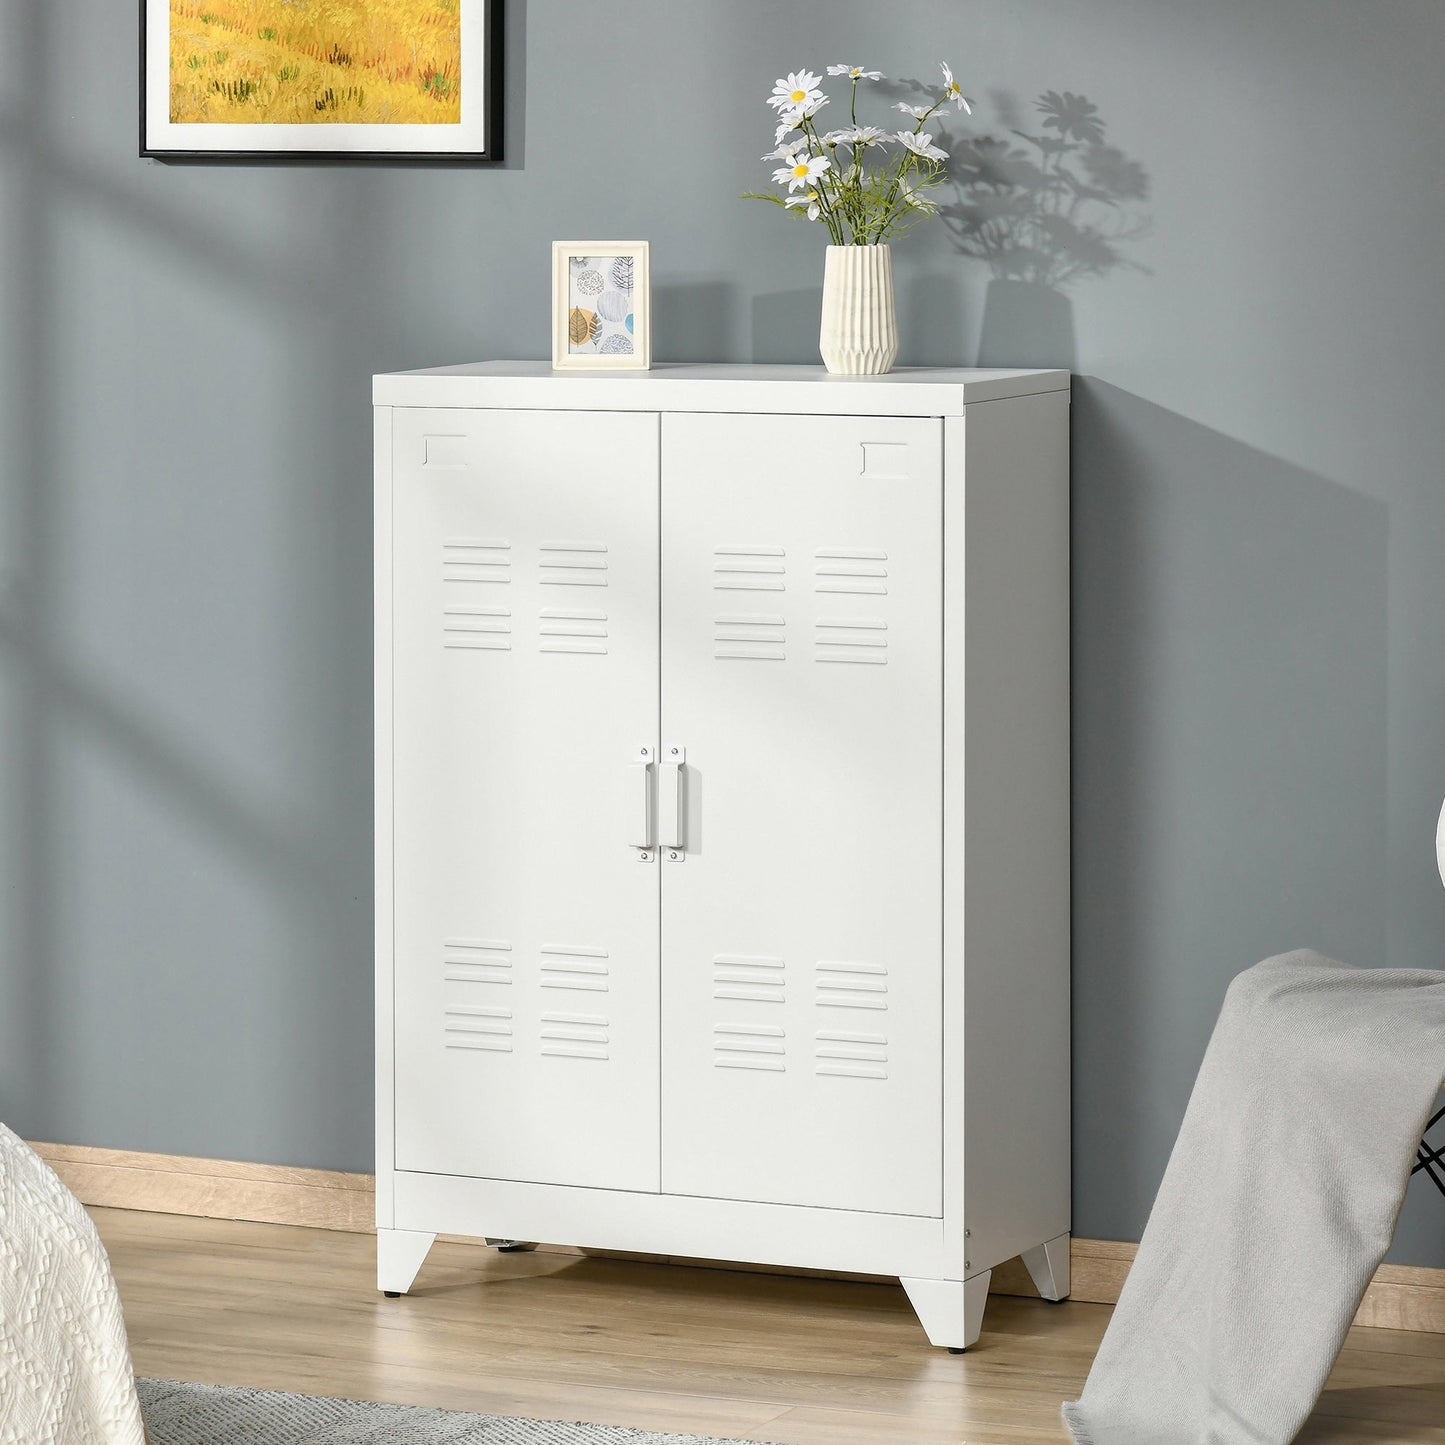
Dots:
{"x": 288, "y": 62}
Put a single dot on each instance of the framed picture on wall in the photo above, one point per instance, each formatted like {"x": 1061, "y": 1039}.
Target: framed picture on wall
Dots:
{"x": 322, "y": 80}
{"x": 601, "y": 306}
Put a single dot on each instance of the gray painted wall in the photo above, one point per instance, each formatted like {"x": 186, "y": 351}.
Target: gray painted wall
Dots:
{"x": 185, "y": 586}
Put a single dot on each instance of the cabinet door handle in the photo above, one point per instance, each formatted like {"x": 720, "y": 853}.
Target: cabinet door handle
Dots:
{"x": 639, "y": 828}
{"x": 669, "y": 805}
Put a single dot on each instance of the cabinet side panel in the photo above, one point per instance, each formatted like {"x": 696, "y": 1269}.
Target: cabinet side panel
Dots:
{"x": 1008, "y": 816}
{"x": 952, "y": 778}
{"x": 381, "y": 623}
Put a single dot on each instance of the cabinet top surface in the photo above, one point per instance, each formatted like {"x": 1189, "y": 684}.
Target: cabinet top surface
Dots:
{"x": 910, "y": 391}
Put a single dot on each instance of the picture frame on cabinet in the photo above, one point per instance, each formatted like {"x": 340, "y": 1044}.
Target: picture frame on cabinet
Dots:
{"x": 395, "y": 81}
{"x": 601, "y": 306}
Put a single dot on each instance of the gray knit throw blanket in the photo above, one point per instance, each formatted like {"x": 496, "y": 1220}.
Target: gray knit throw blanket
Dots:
{"x": 1278, "y": 1204}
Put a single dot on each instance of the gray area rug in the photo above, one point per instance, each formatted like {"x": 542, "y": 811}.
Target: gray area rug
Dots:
{"x": 180, "y": 1414}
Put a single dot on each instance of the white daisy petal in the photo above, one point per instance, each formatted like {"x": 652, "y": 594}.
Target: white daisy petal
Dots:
{"x": 794, "y": 118}
{"x": 802, "y": 170}
{"x": 808, "y": 202}
{"x": 859, "y": 135}
{"x": 912, "y": 196}
{"x": 951, "y": 90}
{"x": 795, "y": 91}
{"x": 922, "y": 145}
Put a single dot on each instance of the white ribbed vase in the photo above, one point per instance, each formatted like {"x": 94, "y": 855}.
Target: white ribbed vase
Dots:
{"x": 859, "y": 335}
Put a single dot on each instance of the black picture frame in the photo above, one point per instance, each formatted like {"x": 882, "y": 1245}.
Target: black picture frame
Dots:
{"x": 494, "y": 31}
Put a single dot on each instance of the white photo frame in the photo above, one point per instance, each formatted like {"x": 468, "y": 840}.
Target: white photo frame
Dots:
{"x": 601, "y": 306}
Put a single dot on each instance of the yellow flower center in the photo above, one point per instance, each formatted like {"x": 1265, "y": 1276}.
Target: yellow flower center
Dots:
{"x": 799, "y": 96}
{"x": 801, "y": 169}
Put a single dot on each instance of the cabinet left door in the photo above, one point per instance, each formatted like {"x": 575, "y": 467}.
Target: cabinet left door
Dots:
{"x": 525, "y": 686}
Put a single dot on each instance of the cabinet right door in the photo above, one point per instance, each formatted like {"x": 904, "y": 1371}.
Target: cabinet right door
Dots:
{"x": 802, "y": 647}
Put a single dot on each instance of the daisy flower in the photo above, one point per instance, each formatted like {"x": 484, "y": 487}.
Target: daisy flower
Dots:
{"x": 786, "y": 128}
{"x": 952, "y": 92}
{"x": 787, "y": 151}
{"x": 801, "y": 169}
{"x": 807, "y": 112}
{"x": 918, "y": 112}
{"x": 810, "y": 201}
{"x": 858, "y": 135}
{"x": 922, "y": 145}
{"x": 855, "y": 72}
{"x": 912, "y": 196}
{"x": 795, "y": 92}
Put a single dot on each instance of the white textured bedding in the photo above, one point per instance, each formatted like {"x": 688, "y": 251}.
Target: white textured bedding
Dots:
{"x": 65, "y": 1371}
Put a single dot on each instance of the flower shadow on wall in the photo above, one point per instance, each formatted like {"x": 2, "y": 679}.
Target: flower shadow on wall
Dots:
{"x": 1044, "y": 205}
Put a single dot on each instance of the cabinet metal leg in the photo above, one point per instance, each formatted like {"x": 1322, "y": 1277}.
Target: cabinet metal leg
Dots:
{"x": 950, "y": 1310}
{"x": 1048, "y": 1267}
{"x": 399, "y": 1256}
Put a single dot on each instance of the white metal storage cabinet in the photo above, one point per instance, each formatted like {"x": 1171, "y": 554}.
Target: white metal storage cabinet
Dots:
{"x": 722, "y": 819}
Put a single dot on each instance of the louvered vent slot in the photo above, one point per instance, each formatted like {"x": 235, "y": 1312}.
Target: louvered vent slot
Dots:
{"x": 582, "y": 970}
{"x": 851, "y": 639}
{"x": 575, "y": 1036}
{"x": 855, "y": 570}
{"x": 752, "y": 977}
{"x": 740, "y": 568}
{"x": 574, "y": 564}
{"x": 578, "y": 630}
{"x": 475, "y": 563}
{"x": 848, "y": 1055}
{"x": 488, "y": 629}
{"x": 472, "y": 1026}
{"x": 753, "y": 636}
{"x": 750, "y": 1046}
{"x": 471, "y": 960}
{"x": 851, "y": 985}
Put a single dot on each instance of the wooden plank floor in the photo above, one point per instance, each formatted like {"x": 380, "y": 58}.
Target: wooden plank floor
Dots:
{"x": 794, "y": 1361}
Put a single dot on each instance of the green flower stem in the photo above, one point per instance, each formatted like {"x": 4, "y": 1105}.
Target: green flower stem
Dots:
{"x": 825, "y": 200}
{"x": 909, "y": 159}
